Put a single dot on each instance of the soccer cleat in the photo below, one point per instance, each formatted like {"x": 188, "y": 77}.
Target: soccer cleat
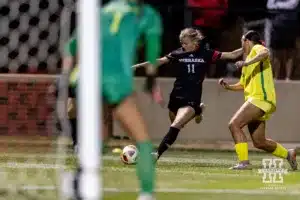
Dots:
{"x": 199, "y": 118}
{"x": 241, "y": 166}
{"x": 76, "y": 149}
{"x": 155, "y": 156}
{"x": 145, "y": 196}
{"x": 292, "y": 159}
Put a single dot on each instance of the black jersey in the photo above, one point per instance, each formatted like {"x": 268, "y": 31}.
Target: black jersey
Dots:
{"x": 191, "y": 69}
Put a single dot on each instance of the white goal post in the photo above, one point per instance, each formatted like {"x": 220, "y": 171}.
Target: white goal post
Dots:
{"x": 89, "y": 100}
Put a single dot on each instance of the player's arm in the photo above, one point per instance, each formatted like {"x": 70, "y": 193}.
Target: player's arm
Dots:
{"x": 152, "y": 29}
{"x": 262, "y": 54}
{"x": 159, "y": 62}
{"x": 233, "y": 87}
{"x": 231, "y": 55}
{"x": 70, "y": 52}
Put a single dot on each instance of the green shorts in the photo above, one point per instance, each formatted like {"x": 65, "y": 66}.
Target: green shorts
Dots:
{"x": 116, "y": 87}
{"x": 117, "y": 75}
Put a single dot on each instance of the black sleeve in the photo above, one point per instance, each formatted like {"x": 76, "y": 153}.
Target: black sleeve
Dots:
{"x": 173, "y": 55}
{"x": 212, "y": 55}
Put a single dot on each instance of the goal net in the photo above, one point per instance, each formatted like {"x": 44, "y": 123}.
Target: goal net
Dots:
{"x": 33, "y": 156}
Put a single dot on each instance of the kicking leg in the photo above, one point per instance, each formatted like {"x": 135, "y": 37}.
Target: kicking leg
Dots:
{"x": 257, "y": 131}
{"x": 183, "y": 116}
{"x": 242, "y": 117}
{"x": 135, "y": 126}
{"x": 172, "y": 116}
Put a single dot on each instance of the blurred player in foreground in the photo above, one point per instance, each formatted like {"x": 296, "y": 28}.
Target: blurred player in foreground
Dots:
{"x": 192, "y": 61}
{"x": 123, "y": 22}
{"x": 258, "y": 85}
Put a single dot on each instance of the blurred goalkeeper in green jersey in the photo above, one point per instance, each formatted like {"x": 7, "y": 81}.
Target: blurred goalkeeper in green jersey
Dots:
{"x": 123, "y": 22}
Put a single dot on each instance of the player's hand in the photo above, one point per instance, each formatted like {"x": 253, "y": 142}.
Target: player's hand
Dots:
{"x": 151, "y": 78}
{"x": 240, "y": 64}
{"x": 223, "y": 83}
{"x": 157, "y": 95}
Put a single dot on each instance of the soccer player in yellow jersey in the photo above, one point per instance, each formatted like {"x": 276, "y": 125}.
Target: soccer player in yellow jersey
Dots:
{"x": 260, "y": 102}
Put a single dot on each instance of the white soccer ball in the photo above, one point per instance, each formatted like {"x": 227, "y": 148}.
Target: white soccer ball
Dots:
{"x": 129, "y": 155}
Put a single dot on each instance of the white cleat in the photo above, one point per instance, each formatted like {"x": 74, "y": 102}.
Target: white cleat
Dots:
{"x": 76, "y": 149}
{"x": 199, "y": 118}
{"x": 292, "y": 159}
{"x": 155, "y": 156}
{"x": 145, "y": 197}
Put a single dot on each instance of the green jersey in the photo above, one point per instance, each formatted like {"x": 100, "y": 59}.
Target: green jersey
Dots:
{"x": 129, "y": 21}
{"x": 122, "y": 25}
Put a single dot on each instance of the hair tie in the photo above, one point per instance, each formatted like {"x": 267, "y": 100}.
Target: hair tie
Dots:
{"x": 262, "y": 42}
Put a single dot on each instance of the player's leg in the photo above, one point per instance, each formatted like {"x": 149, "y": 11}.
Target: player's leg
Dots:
{"x": 71, "y": 119}
{"x": 247, "y": 113}
{"x": 257, "y": 131}
{"x": 172, "y": 116}
{"x": 72, "y": 116}
{"x": 183, "y": 116}
{"x": 118, "y": 91}
{"x": 135, "y": 126}
{"x": 289, "y": 63}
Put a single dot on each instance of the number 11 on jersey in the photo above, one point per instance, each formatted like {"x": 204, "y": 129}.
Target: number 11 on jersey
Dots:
{"x": 191, "y": 68}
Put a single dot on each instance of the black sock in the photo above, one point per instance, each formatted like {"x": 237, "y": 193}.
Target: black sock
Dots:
{"x": 73, "y": 123}
{"x": 168, "y": 140}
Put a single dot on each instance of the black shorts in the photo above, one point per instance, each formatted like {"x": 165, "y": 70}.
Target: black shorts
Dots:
{"x": 71, "y": 91}
{"x": 178, "y": 101}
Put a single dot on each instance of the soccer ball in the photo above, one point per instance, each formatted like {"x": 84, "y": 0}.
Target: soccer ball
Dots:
{"x": 129, "y": 155}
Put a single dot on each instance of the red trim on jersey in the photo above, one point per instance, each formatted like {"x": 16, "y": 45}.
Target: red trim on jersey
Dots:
{"x": 216, "y": 56}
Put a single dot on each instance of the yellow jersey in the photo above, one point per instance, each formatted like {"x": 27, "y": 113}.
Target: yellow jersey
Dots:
{"x": 257, "y": 79}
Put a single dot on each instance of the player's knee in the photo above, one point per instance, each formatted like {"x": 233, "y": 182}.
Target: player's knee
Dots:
{"x": 232, "y": 125}
{"x": 235, "y": 123}
{"x": 177, "y": 125}
{"x": 259, "y": 144}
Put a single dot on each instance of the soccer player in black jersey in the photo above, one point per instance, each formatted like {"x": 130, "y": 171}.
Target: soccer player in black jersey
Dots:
{"x": 192, "y": 61}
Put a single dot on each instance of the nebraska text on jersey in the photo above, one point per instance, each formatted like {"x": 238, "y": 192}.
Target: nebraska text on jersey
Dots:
{"x": 191, "y": 60}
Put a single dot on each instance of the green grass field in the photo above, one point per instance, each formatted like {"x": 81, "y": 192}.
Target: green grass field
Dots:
{"x": 201, "y": 175}
{"x": 181, "y": 175}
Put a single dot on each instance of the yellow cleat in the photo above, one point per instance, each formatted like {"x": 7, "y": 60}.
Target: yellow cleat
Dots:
{"x": 198, "y": 119}
{"x": 117, "y": 150}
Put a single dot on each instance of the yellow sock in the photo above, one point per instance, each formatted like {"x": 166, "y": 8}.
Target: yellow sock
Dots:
{"x": 242, "y": 151}
{"x": 280, "y": 151}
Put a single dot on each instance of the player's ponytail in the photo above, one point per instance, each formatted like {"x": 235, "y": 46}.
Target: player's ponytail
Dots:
{"x": 254, "y": 37}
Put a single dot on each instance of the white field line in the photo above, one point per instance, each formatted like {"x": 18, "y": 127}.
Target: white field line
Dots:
{"x": 17, "y": 165}
{"x": 211, "y": 191}
{"x": 117, "y": 158}
{"x": 184, "y": 160}
{"x": 35, "y": 155}
{"x": 176, "y": 190}
{"x": 158, "y": 170}
{"x": 33, "y": 142}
